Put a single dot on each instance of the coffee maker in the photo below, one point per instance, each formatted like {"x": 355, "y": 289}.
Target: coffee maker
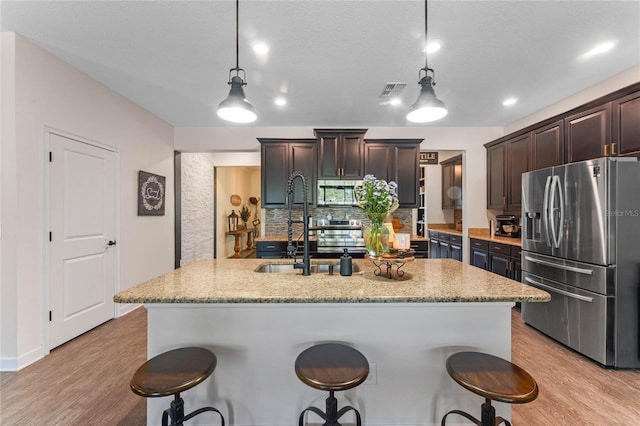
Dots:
{"x": 508, "y": 225}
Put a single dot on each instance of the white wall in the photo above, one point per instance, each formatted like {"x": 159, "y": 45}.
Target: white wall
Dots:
{"x": 50, "y": 93}
{"x": 624, "y": 79}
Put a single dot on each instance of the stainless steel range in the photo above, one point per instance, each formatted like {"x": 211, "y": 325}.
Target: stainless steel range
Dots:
{"x": 334, "y": 236}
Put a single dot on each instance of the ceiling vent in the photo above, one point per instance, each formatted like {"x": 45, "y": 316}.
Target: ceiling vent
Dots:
{"x": 392, "y": 90}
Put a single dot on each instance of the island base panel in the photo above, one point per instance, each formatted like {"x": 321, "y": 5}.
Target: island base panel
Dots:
{"x": 256, "y": 344}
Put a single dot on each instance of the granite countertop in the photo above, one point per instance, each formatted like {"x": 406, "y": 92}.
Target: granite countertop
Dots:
{"x": 234, "y": 281}
{"x": 484, "y": 234}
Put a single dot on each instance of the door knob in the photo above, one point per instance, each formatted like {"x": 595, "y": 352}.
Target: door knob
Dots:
{"x": 111, "y": 243}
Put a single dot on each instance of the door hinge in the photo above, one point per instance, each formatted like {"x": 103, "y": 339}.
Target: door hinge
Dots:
{"x": 50, "y": 316}
{"x": 50, "y": 156}
{"x": 50, "y": 236}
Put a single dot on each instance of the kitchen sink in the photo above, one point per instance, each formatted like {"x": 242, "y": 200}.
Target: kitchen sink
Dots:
{"x": 287, "y": 268}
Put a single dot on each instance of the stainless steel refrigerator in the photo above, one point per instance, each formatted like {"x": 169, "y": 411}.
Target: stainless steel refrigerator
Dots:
{"x": 581, "y": 243}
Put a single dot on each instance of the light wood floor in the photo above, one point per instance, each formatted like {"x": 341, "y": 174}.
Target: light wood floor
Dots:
{"x": 86, "y": 382}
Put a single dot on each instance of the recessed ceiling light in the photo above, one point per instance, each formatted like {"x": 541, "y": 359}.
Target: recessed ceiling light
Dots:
{"x": 395, "y": 101}
{"x": 280, "y": 101}
{"x": 261, "y": 48}
{"x": 509, "y": 101}
{"x": 600, "y": 48}
{"x": 433, "y": 46}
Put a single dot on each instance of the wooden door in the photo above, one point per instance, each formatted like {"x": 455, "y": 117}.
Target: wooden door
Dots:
{"x": 82, "y": 239}
{"x": 303, "y": 159}
{"x": 447, "y": 186}
{"x": 378, "y": 159}
{"x": 328, "y": 163}
{"x": 626, "y": 125}
{"x": 547, "y": 146}
{"x": 352, "y": 157}
{"x": 479, "y": 258}
{"x": 496, "y": 158}
{"x": 274, "y": 172}
{"x": 588, "y": 133}
{"x": 407, "y": 174}
{"x": 517, "y": 163}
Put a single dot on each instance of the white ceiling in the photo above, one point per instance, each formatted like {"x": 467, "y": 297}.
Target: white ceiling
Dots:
{"x": 332, "y": 58}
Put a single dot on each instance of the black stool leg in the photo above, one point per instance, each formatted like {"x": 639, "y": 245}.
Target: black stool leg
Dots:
{"x": 488, "y": 417}
{"x": 176, "y": 413}
{"x": 332, "y": 413}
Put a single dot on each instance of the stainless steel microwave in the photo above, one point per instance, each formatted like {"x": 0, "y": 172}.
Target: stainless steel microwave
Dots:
{"x": 337, "y": 192}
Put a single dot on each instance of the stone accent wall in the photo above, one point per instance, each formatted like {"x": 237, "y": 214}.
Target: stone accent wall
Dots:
{"x": 197, "y": 208}
{"x": 276, "y": 219}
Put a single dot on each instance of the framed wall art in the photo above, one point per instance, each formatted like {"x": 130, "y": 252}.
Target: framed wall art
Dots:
{"x": 151, "y": 194}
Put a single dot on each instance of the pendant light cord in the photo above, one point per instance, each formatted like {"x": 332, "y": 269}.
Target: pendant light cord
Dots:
{"x": 237, "y": 37}
{"x": 426, "y": 66}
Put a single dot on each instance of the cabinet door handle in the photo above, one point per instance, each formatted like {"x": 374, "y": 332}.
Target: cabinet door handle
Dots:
{"x": 504, "y": 200}
{"x": 606, "y": 149}
{"x": 613, "y": 148}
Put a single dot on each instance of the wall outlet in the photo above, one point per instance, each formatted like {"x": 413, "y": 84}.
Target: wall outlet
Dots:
{"x": 372, "y": 378}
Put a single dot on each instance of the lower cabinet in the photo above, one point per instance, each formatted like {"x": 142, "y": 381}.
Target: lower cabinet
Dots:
{"x": 443, "y": 245}
{"x": 278, "y": 249}
{"x": 421, "y": 247}
{"x": 499, "y": 258}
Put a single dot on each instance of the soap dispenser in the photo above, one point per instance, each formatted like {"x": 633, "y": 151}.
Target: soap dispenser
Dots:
{"x": 346, "y": 265}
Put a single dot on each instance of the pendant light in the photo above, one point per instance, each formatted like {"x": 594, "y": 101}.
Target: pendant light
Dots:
{"x": 236, "y": 108}
{"x": 427, "y": 107}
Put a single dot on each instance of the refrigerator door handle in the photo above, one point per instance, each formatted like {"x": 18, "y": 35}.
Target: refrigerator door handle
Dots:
{"x": 545, "y": 210}
{"x": 555, "y": 265}
{"x": 557, "y": 290}
{"x": 559, "y": 232}
{"x": 552, "y": 216}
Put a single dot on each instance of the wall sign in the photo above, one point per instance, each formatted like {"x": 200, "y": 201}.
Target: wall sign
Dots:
{"x": 428, "y": 157}
{"x": 151, "y": 191}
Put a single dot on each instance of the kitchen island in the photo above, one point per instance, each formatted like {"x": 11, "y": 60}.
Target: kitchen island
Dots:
{"x": 257, "y": 323}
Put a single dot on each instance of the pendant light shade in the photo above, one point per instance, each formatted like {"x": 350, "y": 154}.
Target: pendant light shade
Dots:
{"x": 235, "y": 107}
{"x": 427, "y": 107}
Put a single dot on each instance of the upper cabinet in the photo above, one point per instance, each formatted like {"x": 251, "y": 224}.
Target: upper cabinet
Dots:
{"x": 506, "y": 162}
{"x": 609, "y": 126}
{"x": 396, "y": 160}
{"x": 341, "y": 153}
{"x": 452, "y": 183}
{"x": 609, "y": 129}
{"x": 625, "y": 129}
{"x": 547, "y": 148}
{"x": 588, "y": 133}
{"x": 280, "y": 158}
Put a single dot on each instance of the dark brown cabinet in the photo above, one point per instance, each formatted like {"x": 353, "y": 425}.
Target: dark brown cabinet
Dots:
{"x": 588, "y": 133}
{"x": 506, "y": 162}
{"x": 496, "y": 176}
{"x": 625, "y": 127}
{"x": 547, "y": 148}
{"x": 443, "y": 245}
{"x": 452, "y": 183}
{"x": 501, "y": 259}
{"x": 341, "y": 153}
{"x": 517, "y": 164}
{"x": 396, "y": 160}
{"x": 421, "y": 248}
{"x": 280, "y": 158}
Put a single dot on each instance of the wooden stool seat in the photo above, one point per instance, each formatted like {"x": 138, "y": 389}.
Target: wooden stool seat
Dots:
{"x": 172, "y": 372}
{"x": 493, "y": 378}
{"x": 333, "y": 367}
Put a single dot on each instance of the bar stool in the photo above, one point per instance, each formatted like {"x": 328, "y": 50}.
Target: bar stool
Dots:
{"x": 172, "y": 372}
{"x": 333, "y": 367}
{"x": 492, "y": 378}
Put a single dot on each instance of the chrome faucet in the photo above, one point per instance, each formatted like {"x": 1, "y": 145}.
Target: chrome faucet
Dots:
{"x": 291, "y": 249}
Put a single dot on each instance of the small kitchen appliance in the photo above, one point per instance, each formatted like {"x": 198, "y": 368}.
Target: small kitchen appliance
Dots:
{"x": 508, "y": 225}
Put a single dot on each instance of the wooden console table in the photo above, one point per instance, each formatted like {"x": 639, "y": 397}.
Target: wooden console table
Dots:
{"x": 237, "y": 247}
